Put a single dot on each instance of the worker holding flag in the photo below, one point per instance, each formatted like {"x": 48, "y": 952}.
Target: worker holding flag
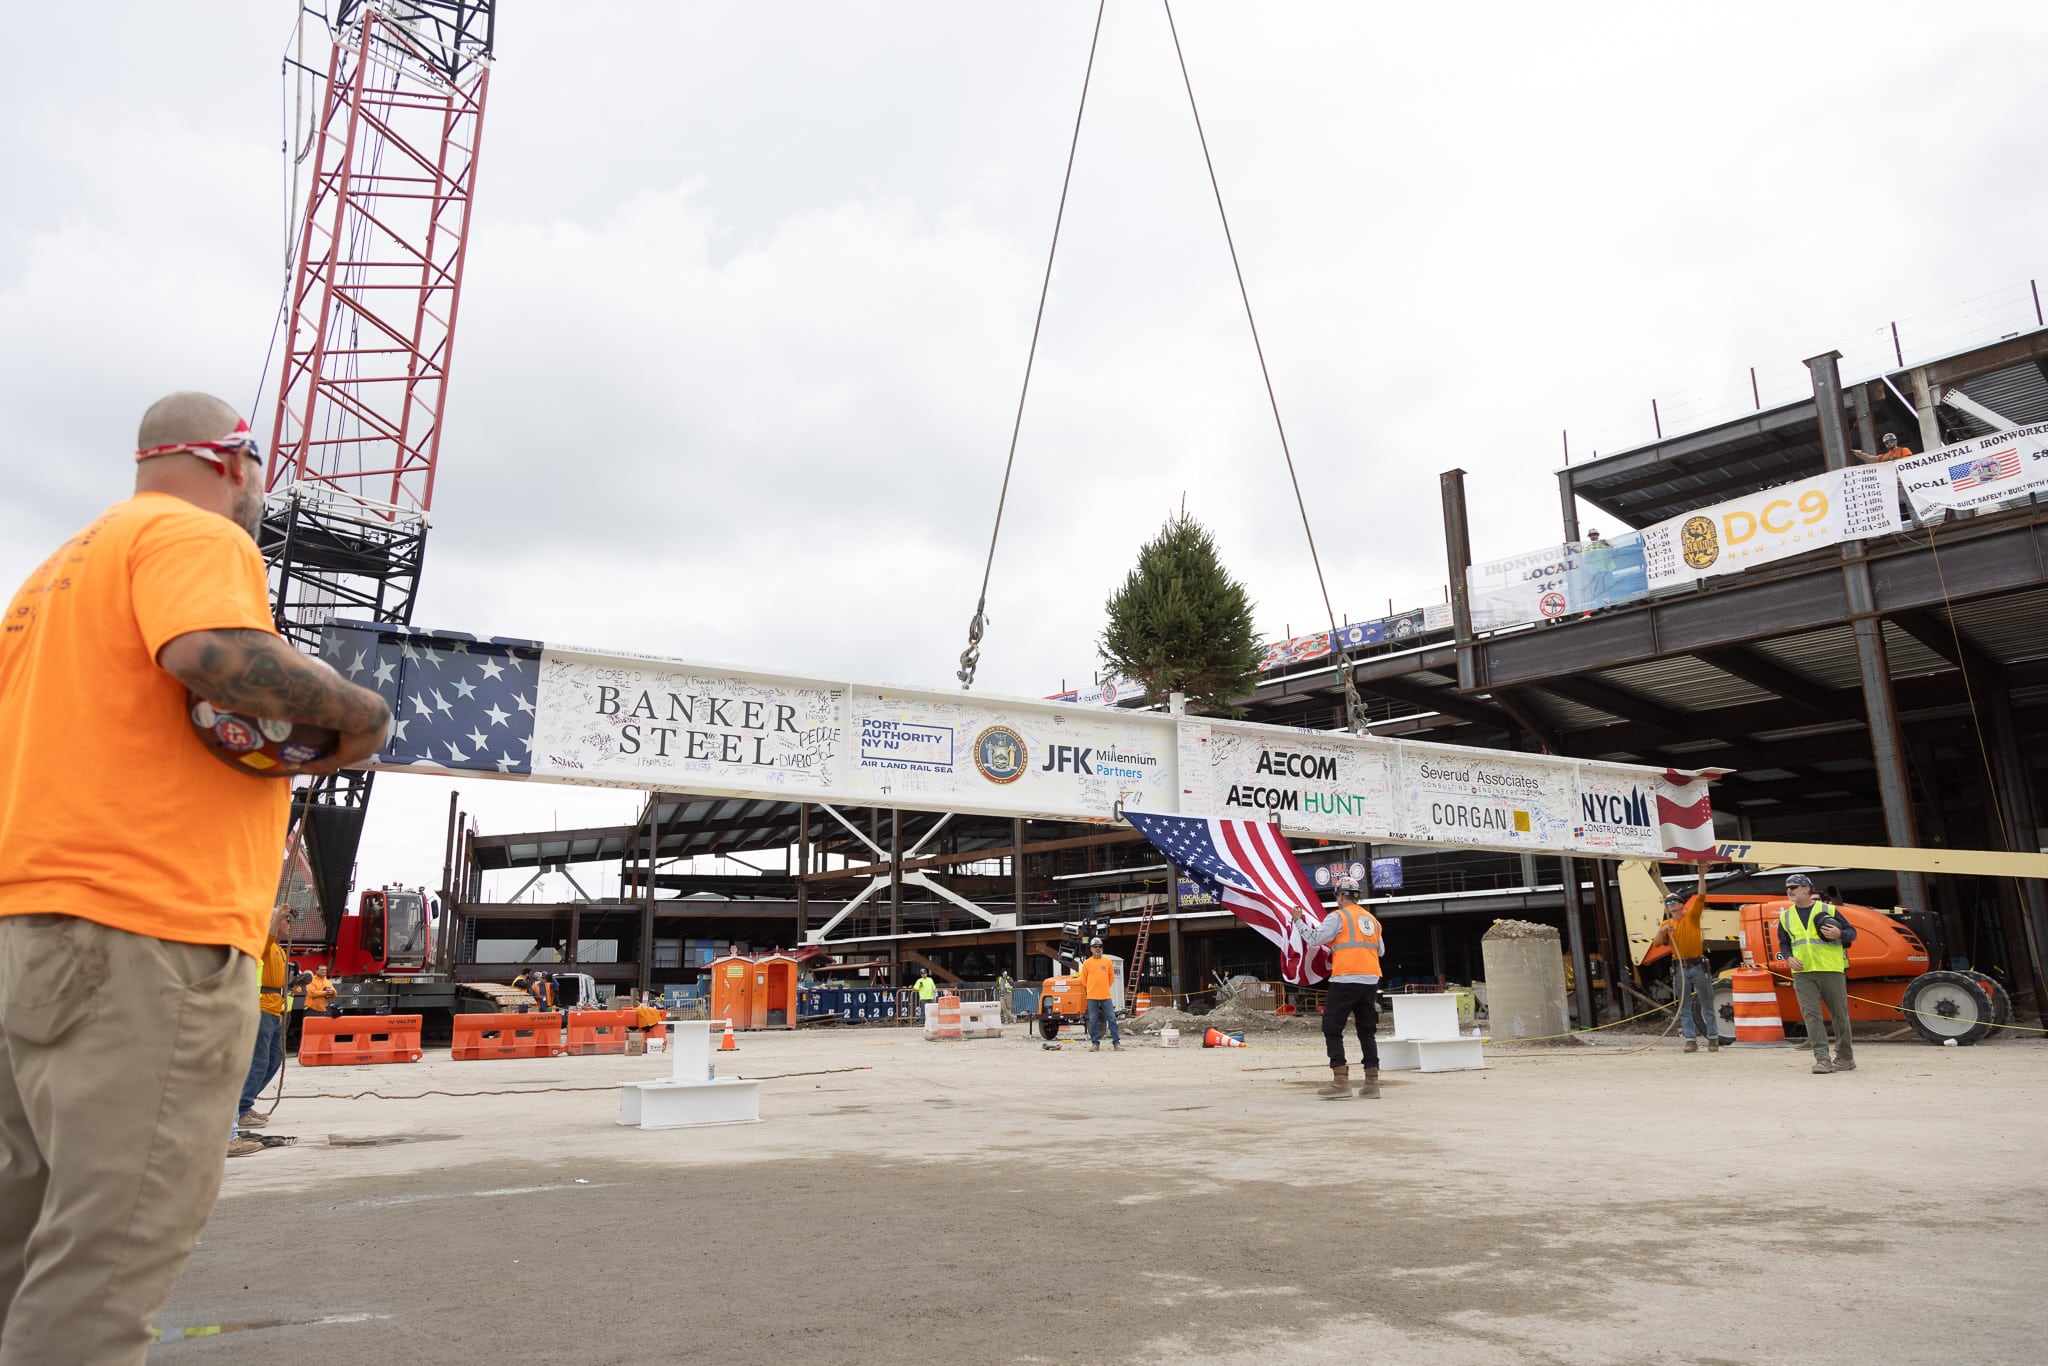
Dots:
{"x": 1356, "y": 942}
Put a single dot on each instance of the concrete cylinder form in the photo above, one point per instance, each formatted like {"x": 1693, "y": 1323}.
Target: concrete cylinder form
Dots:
{"x": 1525, "y": 997}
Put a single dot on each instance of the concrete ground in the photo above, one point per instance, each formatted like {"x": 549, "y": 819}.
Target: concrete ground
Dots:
{"x": 992, "y": 1201}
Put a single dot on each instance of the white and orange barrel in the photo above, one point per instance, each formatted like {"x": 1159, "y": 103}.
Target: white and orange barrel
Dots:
{"x": 1756, "y": 1007}
{"x": 947, "y": 1022}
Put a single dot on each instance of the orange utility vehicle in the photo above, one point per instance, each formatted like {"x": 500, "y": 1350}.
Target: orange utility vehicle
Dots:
{"x": 1892, "y": 969}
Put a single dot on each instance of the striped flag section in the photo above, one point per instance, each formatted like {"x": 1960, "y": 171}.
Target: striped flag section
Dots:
{"x": 1249, "y": 868}
{"x": 1685, "y": 814}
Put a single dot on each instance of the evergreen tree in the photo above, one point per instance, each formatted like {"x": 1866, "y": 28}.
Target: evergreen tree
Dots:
{"x": 1181, "y": 624}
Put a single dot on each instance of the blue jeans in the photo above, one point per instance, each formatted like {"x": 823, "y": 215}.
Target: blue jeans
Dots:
{"x": 1696, "y": 993}
{"x": 1100, "y": 1012}
{"x": 269, "y": 1057}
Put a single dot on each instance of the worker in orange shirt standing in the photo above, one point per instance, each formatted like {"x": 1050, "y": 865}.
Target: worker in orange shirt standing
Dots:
{"x": 136, "y": 876}
{"x": 1692, "y": 981}
{"x": 320, "y": 993}
{"x": 1098, "y": 980}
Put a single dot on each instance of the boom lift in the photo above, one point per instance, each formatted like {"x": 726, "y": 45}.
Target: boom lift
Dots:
{"x": 1896, "y": 963}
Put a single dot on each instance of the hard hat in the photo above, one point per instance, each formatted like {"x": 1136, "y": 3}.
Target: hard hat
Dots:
{"x": 1095, "y": 943}
{"x": 1798, "y": 880}
{"x": 1347, "y": 884}
{"x": 1890, "y": 439}
{"x": 1672, "y": 898}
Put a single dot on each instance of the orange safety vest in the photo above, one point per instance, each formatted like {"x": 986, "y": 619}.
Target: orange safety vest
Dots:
{"x": 1352, "y": 953}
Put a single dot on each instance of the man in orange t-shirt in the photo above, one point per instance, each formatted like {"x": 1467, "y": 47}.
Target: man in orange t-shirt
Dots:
{"x": 136, "y": 878}
{"x": 1098, "y": 980}
{"x": 1692, "y": 978}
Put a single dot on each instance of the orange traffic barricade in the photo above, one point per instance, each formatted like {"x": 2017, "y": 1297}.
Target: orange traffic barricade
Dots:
{"x": 946, "y": 1019}
{"x": 506, "y": 1036}
{"x": 328, "y": 1042}
{"x": 598, "y": 1031}
{"x": 1144, "y": 1003}
{"x": 1756, "y": 1007}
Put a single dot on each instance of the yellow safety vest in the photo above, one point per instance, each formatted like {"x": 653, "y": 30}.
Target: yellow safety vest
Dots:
{"x": 1352, "y": 953}
{"x": 1813, "y": 953}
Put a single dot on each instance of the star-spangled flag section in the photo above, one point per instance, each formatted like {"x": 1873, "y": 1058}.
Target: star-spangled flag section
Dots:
{"x": 1248, "y": 867}
{"x": 454, "y": 702}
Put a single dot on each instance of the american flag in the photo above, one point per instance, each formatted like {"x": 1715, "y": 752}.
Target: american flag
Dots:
{"x": 456, "y": 702}
{"x": 1988, "y": 468}
{"x": 1249, "y": 868}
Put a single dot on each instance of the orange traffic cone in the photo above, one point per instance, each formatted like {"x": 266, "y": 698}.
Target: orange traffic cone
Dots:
{"x": 728, "y": 1044}
{"x": 1216, "y": 1038}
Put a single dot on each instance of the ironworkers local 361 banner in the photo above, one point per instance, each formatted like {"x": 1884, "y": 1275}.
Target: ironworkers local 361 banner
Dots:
{"x": 527, "y": 710}
{"x": 1978, "y": 472}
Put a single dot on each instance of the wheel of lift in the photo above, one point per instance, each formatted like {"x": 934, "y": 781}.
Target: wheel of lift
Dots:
{"x": 1944, "y": 1005}
{"x": 1048, "y": 1026}
{"x": 2001, "y": 999}
{"x": 1724, "y": 1009}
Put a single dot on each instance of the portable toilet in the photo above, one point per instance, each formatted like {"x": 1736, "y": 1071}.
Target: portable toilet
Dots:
{"x": 774, "y": 992}
{"x": 732, "y": 990}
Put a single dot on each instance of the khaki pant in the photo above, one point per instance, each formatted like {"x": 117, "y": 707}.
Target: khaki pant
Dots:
{"x": 119, "y": 1059}
{"x": 1830, "y": 989}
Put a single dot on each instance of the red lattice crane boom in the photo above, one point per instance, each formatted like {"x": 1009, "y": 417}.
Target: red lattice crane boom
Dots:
{"x": 375, "y": 291}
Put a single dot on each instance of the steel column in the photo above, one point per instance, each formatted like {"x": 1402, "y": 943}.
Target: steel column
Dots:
{"x": 2018, "y": 821}
{"x": 1017, "y": 886}
{"x": 1458, "y": 558}
{"x": 1923, "y": 400}
{"x": 1873, "y": 663}
{"x": 1582, "y": 974}
{"x": 895, "y": 871}
{"x": 803, "y": 870}
{"x": 646, "y": 979}
{"x": 1173, "y": 932}
{"x": 1570, "y": 501}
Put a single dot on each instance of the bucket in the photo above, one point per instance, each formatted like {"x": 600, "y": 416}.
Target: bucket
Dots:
{"x": 1169, "y": 1037}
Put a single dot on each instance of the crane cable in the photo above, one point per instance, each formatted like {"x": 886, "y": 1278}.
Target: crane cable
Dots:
{"x": 1354, "y": 711}
{"x": 970, "y": 658}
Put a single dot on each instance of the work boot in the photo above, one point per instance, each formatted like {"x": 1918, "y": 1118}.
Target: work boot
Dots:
{"x": 1369, "y": 1088}
{"x": 242, "y": 1147}
{"x": 1339, "y": 1085}
{"x": 252, "y": 1119}
{"x": 1713, "y": 1043}
{"x": 1692, "y": 1046}
{"x": 1116, "y": 1048}
{"x": 1821, "y": 1067}
{"x": 1844, "y": 1063}
{"x": 1094, "y": 1048}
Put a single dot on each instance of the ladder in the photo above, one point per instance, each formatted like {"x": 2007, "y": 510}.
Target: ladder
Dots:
{"x": 1138, "y": 954}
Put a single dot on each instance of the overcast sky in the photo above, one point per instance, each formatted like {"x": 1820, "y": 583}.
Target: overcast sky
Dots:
{"x": 751, "y": 285}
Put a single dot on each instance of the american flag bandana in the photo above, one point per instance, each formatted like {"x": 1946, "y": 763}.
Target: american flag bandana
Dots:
{"x": 240, "y": 441}
{"x": 1248, "y": 867}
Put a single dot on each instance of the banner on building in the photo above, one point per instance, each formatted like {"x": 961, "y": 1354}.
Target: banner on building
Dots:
{"x": 1116, "y": 692}
{"x": 1979, "y": 472}
{"x": 1369, "y": 789}
{"x": 1557, "y": 581}
{"x": 525, "y": 709}
{"x": 1771, "y": 524}
{"x": 1356, "y": 635}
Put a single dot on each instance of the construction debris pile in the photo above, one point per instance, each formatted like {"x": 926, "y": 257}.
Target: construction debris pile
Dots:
{"x": 1519, "y": 929}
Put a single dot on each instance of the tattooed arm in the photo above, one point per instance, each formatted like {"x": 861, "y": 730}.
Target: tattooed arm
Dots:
{"x": 256, "y": 672}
